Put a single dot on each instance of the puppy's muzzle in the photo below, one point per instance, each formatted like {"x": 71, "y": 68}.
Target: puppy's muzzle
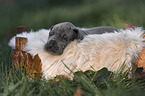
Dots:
{"x": 53, "y": 48}
{"x": 51, "y": 44}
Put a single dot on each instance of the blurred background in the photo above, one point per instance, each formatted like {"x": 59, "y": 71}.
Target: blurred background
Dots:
{"x": 38, "y": 14}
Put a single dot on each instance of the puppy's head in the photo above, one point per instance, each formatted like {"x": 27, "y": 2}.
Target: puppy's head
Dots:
{"x": 60, "y": 36}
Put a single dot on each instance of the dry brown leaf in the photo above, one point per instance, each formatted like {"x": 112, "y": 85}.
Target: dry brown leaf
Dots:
{"x": 141, "y": 61}
{"x": 78, "y": 92}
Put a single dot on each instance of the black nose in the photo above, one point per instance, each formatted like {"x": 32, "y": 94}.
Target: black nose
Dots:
{"x": 52, "y": 43}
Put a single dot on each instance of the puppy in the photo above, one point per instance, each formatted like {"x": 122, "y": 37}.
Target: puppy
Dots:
{"x": 64, "y": 33}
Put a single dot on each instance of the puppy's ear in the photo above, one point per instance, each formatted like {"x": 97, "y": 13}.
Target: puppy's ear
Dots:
{"x": 51, "y": 27}
{"x": 79, "y": 35}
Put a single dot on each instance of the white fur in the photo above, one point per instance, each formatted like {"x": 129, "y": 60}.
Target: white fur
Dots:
{"x": 107, "y": 50}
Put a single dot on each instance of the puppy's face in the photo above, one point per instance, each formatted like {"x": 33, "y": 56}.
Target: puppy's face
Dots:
{"x": 59, "y": 38}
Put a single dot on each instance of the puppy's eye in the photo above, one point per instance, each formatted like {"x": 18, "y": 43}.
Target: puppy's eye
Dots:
{"x": 64, "y": 37}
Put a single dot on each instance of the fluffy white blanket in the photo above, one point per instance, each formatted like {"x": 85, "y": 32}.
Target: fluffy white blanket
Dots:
{"x": 107, "y": 50}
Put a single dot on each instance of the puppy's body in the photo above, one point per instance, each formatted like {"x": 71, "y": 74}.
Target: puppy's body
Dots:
{"x": 98, "y": 30}
{"x": 63, "y": 34}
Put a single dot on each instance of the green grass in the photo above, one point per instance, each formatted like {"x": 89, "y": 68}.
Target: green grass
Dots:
{"x": 38, "y": 14}
{"x": 92, "y": 83}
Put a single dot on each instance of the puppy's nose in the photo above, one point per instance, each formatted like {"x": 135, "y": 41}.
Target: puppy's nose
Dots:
{"x": 52, "y": 43}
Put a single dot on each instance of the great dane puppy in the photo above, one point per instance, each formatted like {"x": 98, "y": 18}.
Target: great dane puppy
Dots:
{"x": 64, "y": 33}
